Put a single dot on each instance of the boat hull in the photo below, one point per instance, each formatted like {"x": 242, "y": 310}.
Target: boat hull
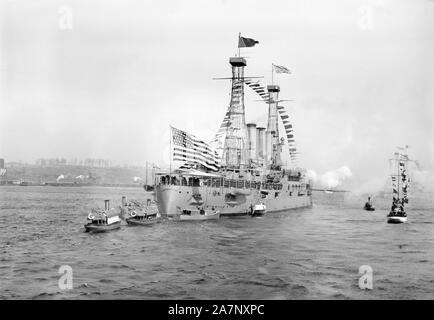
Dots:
{"x": 258, "y": 213}
{"x": 102, "y": 228}
{"x": 199, "y": 217}
{"x": 144, "y": 222}
{"x": 259, "y": 210}
{"x": 170, "y": 198}
{"x": 396, "y": 219}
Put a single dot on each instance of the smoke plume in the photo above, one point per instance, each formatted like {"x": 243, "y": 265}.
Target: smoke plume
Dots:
{"x": 330, "y": 179}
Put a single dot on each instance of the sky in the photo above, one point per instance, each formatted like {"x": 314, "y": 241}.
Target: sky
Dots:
{"x": 105, "y": 79}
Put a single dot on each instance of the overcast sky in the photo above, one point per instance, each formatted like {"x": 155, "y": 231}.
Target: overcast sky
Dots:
{"x": 106, "y": 78}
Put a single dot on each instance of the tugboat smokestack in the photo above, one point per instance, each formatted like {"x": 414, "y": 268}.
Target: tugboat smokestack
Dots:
{"x": 107, "y": 204}
{"x": 124, "y": 202}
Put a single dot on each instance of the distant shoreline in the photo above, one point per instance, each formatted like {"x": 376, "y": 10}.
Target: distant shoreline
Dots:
{"x": 72, "y": 185}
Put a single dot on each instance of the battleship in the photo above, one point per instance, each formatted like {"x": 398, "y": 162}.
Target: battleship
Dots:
{"x": 248, "y": 169}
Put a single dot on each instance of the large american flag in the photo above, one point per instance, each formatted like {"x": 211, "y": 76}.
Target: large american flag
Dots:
{"x": 187, "y": 147}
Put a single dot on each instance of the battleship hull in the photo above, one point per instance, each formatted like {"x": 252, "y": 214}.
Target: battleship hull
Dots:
{"x": 173, "y": 198}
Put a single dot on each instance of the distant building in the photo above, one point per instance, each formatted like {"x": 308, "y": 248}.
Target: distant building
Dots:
{"x": 90, "y": 162}
{"x": 3, "y": 176}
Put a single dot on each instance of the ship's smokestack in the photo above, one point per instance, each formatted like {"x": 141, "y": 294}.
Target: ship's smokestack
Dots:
{"x": 260, "y": 143}
{"x": 251, "y": 141}
{"x": 268, "y": 146}
{"x": 107, "y": 204}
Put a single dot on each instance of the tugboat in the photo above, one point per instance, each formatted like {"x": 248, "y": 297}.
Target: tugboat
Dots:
{"x": 400, "y": 184}
{"x": 140, "y": 214}
{"x": 369, "y": 206}
{"x": 103, "y": 220}
{"x": 198, "y": 214}
{"x": 258, "y": 210}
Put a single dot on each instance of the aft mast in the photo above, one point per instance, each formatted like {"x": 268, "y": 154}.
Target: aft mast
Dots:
{"x": 274, "y": 144}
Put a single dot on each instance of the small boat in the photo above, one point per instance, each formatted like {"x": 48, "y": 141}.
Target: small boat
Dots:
{"x": 237, "y": 191}
{"x": 141, "y": 214}
{"x": 103, "y": 220}
{"x": 143, "y": 219}
{"x": 259, "y": 210}
{"x": 369, "y": 206}
{"x": 198, "y": 214}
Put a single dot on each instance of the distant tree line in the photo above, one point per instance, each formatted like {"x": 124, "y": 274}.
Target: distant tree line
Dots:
{"x": 89, "y": 162}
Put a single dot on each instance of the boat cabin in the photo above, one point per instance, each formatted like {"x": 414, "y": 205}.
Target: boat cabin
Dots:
{"x": 99, "y": 221}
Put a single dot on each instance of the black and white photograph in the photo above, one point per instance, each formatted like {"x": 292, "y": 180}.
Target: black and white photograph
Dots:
{"x": 216, "y": 150}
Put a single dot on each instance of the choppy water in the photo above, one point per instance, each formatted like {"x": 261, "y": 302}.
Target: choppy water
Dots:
{"x": 302, "y": 254}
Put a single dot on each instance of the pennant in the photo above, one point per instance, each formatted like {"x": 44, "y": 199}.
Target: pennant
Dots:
{"x": 246, "y": 42}
{"x": 281, "y": 69}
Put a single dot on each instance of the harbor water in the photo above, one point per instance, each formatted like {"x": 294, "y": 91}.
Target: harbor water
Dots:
{"x": 313, "y": 253}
